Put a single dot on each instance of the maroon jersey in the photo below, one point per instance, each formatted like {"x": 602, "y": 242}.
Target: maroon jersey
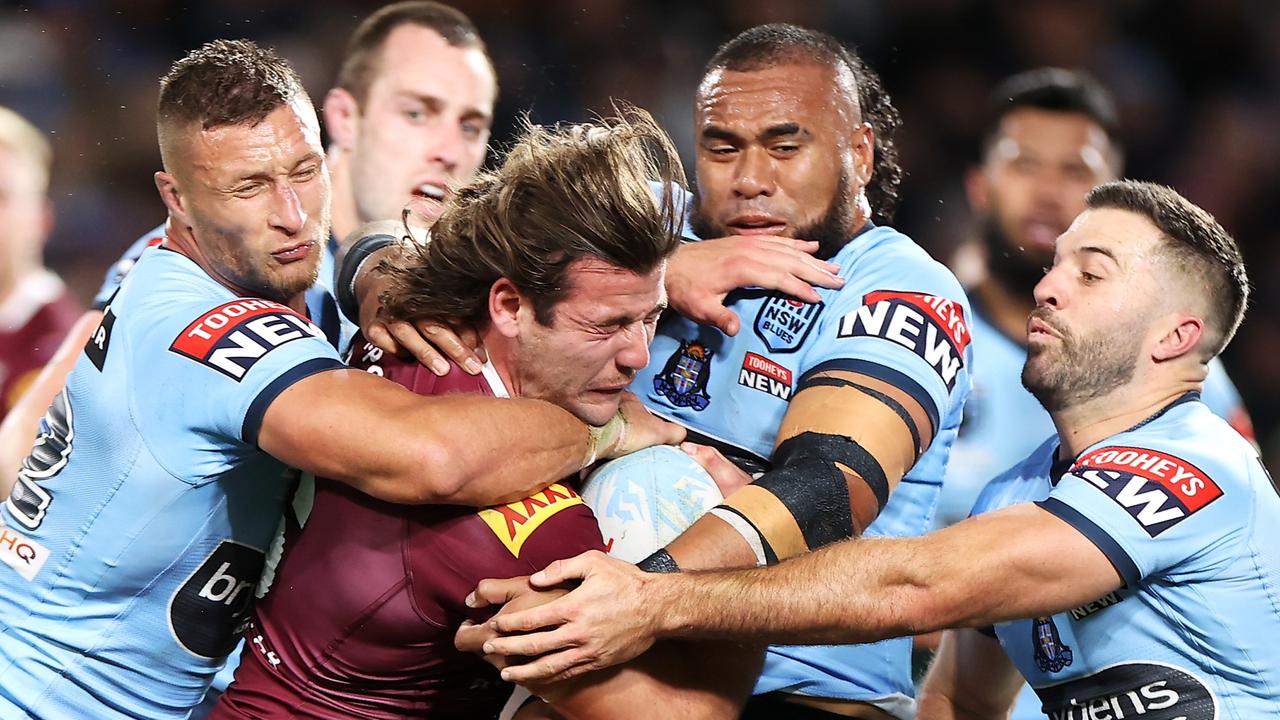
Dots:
{"x": 33, "y": 320}
{"x": 362, "y": 609}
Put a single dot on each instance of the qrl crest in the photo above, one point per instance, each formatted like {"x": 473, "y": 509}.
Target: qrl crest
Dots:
{"x": 1051, "y": 653}
{"x": 783, "y": 323}
{"x": 683, "y": 380}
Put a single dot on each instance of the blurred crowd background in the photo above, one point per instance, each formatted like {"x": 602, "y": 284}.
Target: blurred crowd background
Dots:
{"x": 1198, "y": 82}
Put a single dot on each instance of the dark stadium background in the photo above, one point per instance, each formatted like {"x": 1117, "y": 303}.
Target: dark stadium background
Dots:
{"x": 1198, "y": 83}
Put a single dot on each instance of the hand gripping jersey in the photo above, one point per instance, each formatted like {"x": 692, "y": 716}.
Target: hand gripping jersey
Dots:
{"x": 321, "y": 306}
{"x": 1184, "y": 510}
{"x": 361, "y": 613}
{"x": 34, "y": 317}
{"x": 901, "y": 317}
{"x": 1004, "y": 423}
{"x": 137, "y": 528}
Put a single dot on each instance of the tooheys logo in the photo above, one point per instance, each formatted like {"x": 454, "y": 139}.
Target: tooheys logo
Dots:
{"x": 515, "y": 522}
{"x": 1157, "y": 489}
{"x": 1148, "y": 691}
{"x": 761, "y": 373}
{"x": 212, "y": 607}
{"x": 232, "y": 337}
{"x": 931, "y": 326}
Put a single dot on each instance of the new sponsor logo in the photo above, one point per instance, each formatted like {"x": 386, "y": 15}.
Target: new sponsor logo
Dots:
{"x": 761, "y": 373}
{"x": 211, "y": 609}
{"x": 1147, "y": 690}
{"x": 21, "y": 553}
{"x": 784, "y": 322}
{"x": 1100, "y": 604}
{"x": 234, "y": 336}
{"x": 683, "y": 380}
{"x": 515, "y": 522}
{"x": 930, "y": 326}
{"x": 1157, "y": 489}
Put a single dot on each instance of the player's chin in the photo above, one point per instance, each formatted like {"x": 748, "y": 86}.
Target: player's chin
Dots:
{"x": 595, "y": 407}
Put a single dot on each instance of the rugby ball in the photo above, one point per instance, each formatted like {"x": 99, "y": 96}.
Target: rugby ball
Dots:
{"x": 646, "y": 499}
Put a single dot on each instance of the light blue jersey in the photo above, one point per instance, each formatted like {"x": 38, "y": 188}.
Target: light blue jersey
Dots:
{"x": 1003, "y": 423}
{"x": 135, "y": 534}
{"x": 901, "y": 317}
{"x": 1184, "y": 510}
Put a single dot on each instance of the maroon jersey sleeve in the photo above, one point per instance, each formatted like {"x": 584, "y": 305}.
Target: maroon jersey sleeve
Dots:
{"x": 503, "y": 541}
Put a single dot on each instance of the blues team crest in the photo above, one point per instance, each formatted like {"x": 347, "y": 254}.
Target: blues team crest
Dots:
{"x": 1051, "y": 653}
{"x": 783, "y": 322}
{"x": 683, "y": 380}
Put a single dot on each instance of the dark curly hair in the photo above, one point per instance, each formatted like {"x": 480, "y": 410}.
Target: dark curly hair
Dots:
{"x": 776, "y": 44}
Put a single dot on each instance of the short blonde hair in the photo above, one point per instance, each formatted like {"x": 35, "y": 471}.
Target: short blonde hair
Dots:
{"x": 20, "y": 136}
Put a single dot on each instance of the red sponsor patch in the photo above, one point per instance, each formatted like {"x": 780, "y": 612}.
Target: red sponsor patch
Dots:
{"x": 764, "y": 365}
{"x": 761, "y": 373}
{"x": 948, "y": 314}
{"x": 233, "y": 336}
{"x": 1184, "y": 481}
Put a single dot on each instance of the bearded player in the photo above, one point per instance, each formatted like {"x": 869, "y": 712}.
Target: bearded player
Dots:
{"x": 558, "y": 257}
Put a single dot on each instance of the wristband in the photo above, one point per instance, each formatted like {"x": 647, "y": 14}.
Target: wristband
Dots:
{"x": 659, "y": 562}
{"x": 345, "y": 284}
{"x": 603, "y": 438}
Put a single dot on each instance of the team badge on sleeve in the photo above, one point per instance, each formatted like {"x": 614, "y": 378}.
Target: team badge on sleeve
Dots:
{"x": 784, "y": 322}
{"x": 683, "y": 379}
{"x": 1050, "y": 652}
{"x": 513, "y": 523}
{"x": 1157, "y": 489}
{"x": 930, "y": 326}
{"x": 234, "y": 336}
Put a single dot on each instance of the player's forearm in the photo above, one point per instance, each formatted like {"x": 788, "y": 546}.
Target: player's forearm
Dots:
{"x": 985, "y": 570}
{"x": 479, "y": 451}
{"x": 841, "y": 594}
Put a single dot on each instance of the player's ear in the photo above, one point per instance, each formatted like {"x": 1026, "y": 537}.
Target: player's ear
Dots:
{"x": 506, "y": 303}
{"x": 1182, "y": 335}
{"x": 167, "y": 184}
{"x": 341, "y": 117}
{"x": 864, "y": 153}
{"x": 975, "y": 187}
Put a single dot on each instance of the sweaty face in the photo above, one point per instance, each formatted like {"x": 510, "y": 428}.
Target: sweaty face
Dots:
{"x": 1094, "y": 309}
{"x": 258, "y": 201}
{"x": 22, "y": 208}
{"x": 424, "y": 127}
{"x": 1036, "y": 175}
{"x": 781, "y": 151}
{"x": 597, "y": 339}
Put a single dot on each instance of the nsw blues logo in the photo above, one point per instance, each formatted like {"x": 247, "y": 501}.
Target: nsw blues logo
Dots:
{"x": 683, "y": 380}
{"x": 783, "y": 323}
{"x": 1051, "y": 653}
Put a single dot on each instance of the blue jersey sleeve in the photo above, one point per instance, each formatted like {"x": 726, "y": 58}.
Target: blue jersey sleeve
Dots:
{"x": 902, "y": 320}
{"x": 120, "y": 268}
{"x": 1151, "y": 511}
{"x": 212, "y": 373}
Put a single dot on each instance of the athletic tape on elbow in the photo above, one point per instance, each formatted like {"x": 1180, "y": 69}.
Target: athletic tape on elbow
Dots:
{"x": 808, "y": 481}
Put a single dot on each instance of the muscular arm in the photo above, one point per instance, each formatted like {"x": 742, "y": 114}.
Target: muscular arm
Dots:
{"x": 852, "y": 407}
{"x": 987, "y": 569}
{"x": 971, "y": 678}
{"x": 697, "y": 681}
{"x": 19, "y": 427}
{"x": 456, "y": 449}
